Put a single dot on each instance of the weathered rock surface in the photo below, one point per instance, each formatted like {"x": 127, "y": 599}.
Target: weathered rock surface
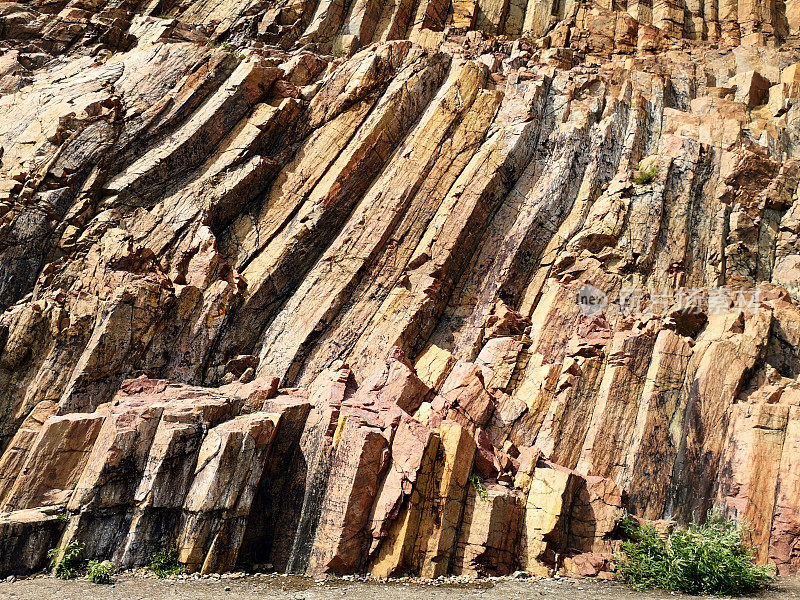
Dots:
{"x": 397, "y": 287}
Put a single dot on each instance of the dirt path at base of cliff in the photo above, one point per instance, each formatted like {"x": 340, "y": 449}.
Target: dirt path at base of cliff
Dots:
{"x": 129, "y": 587}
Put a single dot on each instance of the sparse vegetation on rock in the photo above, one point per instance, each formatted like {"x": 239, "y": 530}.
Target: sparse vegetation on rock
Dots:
{"x": 480, "y": 489}
{"x": 645, "y": 175}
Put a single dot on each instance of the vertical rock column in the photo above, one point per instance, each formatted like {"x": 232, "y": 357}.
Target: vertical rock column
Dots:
{"x": 537, "y": 18}
{"x": 296, "y": 523}
{"x": 696, "y": 27}
{"x": 654, "y": 444}
{"x": 750, "y": 468}
{"x": 102, "y": 504}
{"x": 668, "y": 16}
{"x": 423, "y": 537}
{"x": 14, "y": 456}
{"x": 550, "y": 492}
{"x": 442, "y": 513}
{"x": 491, "y": 16}
{"x": 729, "y": 21}
{"x": 340, "y": 543}
{"x": 785, "y": 533}
{"x": 723, "y": 358}
{"x": 793, "y": 16}
{"x": 273, "y": 495}
{"x": 54, "y": 462}
{"x": 217, "y": 507}
{"x": 167, "y": 477}
{"x": 641, "y": 10}
{"x": 488, "y": 542}
{"x": 610, "y": 430}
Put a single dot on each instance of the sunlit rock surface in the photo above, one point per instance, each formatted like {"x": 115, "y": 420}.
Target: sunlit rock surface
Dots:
{"x": 304, "y": 283}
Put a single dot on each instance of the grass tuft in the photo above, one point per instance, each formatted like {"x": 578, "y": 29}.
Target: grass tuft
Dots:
{"x": 644, "y": 176}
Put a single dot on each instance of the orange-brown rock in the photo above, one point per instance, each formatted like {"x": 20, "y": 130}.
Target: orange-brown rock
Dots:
{"x": 396, "y": 287}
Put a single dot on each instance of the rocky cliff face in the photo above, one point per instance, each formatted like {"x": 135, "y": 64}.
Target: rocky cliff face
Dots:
{"x": 398, "y": 286}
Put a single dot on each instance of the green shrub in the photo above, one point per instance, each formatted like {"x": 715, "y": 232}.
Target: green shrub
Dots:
{"x": 712, "y": 558}
{"x": 644, "y": 176}
{"x": 165, "y": 563}
{"x": 644, "y": 561}
{"x": 71, "y": 562}
{"x": 100, "y": 572}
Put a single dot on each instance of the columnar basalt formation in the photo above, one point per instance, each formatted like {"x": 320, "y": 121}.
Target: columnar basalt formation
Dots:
{"x": 403, "y": 287}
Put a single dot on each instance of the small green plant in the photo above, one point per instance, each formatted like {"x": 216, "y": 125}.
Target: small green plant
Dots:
{"x": 227, "y": 47}
{"x": 713, "y": 558}
{"x": 165, "y": 563}
{"x": 62, "y": 517}
{"x": 479, "y": 487}
{"x": 644, "y": 175}
{"x": 99, "y": 572}
{"x": 71, "y": 561}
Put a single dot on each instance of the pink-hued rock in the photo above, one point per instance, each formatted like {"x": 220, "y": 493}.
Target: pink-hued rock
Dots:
{"x": 54, "y": 462}
{"x": 423, "y": 537}
{"x": 168, "y": 473}
{"x": 359, "y": 459}
{"x": 102, "y": 499}
{"x": 464, "y": 397}
{"x": 13, "y": 458}
{"x": 595, "y": 514}
{"x": 588, "y": 564}
{"x": 783, "y": 544}
{"x": 396, "y": 386}
{"x": 488, "y": 543}
{"x": 229, "y": 466}
{"x": 549, "y": 495}
{"x": 407, "y": 453}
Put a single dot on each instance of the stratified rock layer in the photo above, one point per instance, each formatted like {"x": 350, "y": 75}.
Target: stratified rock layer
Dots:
{"x": 401, "y": 286}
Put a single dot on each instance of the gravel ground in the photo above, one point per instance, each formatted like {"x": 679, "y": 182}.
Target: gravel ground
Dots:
{"x": 135, "y": 587}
